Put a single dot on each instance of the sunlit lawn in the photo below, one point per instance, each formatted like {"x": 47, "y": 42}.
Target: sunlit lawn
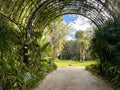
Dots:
{"x": 74, "y": 63}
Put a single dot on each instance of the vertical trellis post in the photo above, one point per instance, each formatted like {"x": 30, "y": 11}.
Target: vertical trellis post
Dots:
{"x": 26, "y": 56}
{"x": 26, "y": 52}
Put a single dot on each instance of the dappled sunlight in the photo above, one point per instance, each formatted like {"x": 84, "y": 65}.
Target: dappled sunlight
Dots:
{"x": 73, "y": 63}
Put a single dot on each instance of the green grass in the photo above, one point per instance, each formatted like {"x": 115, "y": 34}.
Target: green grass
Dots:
{"x": 74, "y": 63}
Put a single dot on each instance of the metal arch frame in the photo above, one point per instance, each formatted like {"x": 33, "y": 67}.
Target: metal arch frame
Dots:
{"x": 90, "y": 18}
{"x": 70, "y": 13}
{"x": 16, "y": 23}
{"x": 36, "y": 10}
{"x": 12, "y": 8}
{"x": 108, "y": 9}
{"x": 78, "y": 13}
{"x": 32, "y": 16}
{"x": 19, "y": 18}
{"x": 73, "y": 10}
{"x": 35, "y": 5}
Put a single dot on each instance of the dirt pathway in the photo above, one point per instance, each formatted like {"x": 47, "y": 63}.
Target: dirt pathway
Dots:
{"x": 72, "y": 78}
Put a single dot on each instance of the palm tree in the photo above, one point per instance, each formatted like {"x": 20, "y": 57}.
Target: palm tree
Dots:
{"x": 79, "y": 34}
{"x": 83, "y": 48}
{"x": 83, "y": 44}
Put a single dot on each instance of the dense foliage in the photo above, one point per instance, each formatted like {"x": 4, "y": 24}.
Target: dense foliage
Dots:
{"x": 106, "y": 47}
{"x": 14, "y": 73}
{"x": 70, "y": 51}
{"x": 56, "y": 33}
{"x": 76, "y": 49}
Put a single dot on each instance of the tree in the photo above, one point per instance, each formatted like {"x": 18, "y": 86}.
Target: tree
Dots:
{"x": 83, "y": 48}
{"x": 57, "y": 30}
{"x": 83, "y": 44}
{"x": 70, "y": 51}
{"x": 79, "y": 34}
{"x": 106, "y": 42}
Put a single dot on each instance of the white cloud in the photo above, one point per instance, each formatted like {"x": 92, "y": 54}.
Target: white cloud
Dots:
{"x": 80, "y": 23}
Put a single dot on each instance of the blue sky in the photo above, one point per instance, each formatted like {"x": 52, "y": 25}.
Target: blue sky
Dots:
{"x": 68, "y": 18}
{"x": 77, "y": 22}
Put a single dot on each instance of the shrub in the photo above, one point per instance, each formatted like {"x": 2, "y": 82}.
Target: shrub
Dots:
{"x": 106, "y": 46}
{"x": 14, "y": 73}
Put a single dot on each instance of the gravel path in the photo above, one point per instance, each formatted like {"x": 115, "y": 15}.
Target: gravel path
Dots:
{"x": 72, "y": 78}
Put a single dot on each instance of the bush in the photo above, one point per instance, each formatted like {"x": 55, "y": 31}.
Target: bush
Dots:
{"x": 14, "y": 73}
{"x": 94, "y": 68}
{"x": 106, "y": 47}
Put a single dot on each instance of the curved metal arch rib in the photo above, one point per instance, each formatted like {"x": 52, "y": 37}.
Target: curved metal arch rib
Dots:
{"x": 16, "y": 23}
{"x": 92, "y": 18}
{"x": 70, "y": 13}
{"x": 16, "y": 10}
{"x": 100, "y": 18}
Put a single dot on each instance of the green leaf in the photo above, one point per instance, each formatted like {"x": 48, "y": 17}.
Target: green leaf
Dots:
{"x": 43, "y": 48}
{"x": 15, "y": 84}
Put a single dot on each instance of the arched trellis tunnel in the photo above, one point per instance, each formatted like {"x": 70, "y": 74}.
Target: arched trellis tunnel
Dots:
{"x": 30, "y": 14}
